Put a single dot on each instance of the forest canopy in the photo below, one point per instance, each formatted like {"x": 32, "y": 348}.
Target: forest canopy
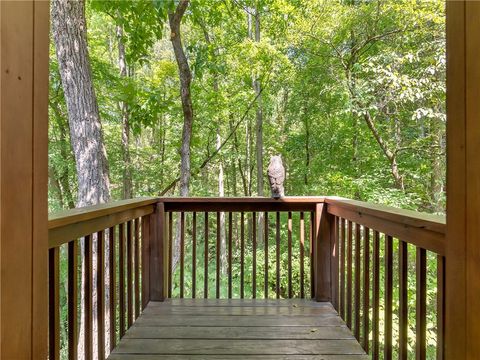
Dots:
{"x": 350, "y": 93}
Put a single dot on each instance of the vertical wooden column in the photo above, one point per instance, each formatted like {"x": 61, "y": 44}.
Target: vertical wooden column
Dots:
{"x": 158, "y": 254}
{"x": 462, "y": 287}
{"x": 322, "y": 253}
{"x": 23, "y": 179}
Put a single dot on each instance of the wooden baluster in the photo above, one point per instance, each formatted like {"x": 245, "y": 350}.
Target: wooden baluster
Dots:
{"x": 54, "y": 303}
{"x": 121, "y": 278}
{"x": 182, "y": 254}
{"x": 290, "y": 287}
{"x": 254, "y": 254}
{"x": 440, "y": 306}
{"x": 88, "y": 298}
{"x": 137, "y": 267}
{"x": 129, "y": 275}
{"x": 334, "y": 247}
{"x": 342, "y": 268}
{"x": 112, "y": 285}
{"x": 349, "y": 273}
{"x": 145, "y": 260}
{"x": 357, "y": 281}
{"x": 194, "y": 255}
{"x": 242, "y": 255}
{"x": 170, "y": 254}
{"x": 366, "y": 288}
{"x": 265, "y": 243}
{"x": 72, "y": 299}
{"x": 302, "y": 254}
{"x": 205, "y": 261}
{"x": 388, "y": 296}
{"x": 230, "y": 228}
{"x": 376, "y": 297}
{"x": 311, "y": 254}
{"x": 217, "y": 259}
{"x": 101, "y": 294}
{"x": 278, "y": 254}
{"x": 403, "y": 300}
{"x": 421, "y": 303}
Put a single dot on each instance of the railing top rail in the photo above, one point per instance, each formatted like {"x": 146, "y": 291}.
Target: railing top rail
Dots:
{"x": 68, "y": 225}
{"x": 288, "y": 203}
{"x": 73, "y": 216}
{"x": 420, "y": 229}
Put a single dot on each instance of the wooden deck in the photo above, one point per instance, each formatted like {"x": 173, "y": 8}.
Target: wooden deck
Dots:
{"x": 239, "y": 329}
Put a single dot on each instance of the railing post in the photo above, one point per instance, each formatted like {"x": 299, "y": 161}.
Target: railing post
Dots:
{"x": 158, "y": 254}
{"x": 322, "y": 257}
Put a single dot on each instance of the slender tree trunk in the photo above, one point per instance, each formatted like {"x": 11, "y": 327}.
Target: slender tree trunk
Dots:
{"x": 258, "y": 125}
{"x": 436, "y": 177}
{"x": 63, "y": 175}
{"x": 70, "y": 36}
{"x": 390, "y": 155}
{"x": 54, "y": 185}
{"x": 185, "y": 75}
{"x": 124, "y": 111}
{"x": 221, "y": 193}
{"x": 307, "y": 145}
{"x": 259, "y": 115}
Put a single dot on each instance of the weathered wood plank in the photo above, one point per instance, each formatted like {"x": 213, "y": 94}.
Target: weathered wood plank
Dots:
{"x": 238, "y": 310}
{"x": 240, "y": 302}
{"x": 215, "y": 321}
{"x": 232, "y": 346}
{"x": 263, "y": 357}
{"x": 240, "y": 333}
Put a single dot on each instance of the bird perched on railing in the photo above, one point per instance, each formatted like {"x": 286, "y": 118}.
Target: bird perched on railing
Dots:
{"x": 276, "y": 176}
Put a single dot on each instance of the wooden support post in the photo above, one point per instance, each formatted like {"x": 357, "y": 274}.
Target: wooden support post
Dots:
{"x": 462, "y": 263}
{"x": 322, "y": 253}
{"x": 158, "y": 254}
{"x": 24, "y": 53}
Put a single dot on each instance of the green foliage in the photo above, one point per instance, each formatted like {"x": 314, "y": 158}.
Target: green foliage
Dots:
{"x": 324, "y": 65}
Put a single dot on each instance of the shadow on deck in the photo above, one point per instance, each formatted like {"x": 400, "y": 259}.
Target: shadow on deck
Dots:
{"x": 240, "y": 329}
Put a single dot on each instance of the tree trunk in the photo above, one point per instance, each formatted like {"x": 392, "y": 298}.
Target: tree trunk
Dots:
{"x": 307, "y": 145}
{"x": 185, "y": 75}
{"x": 70, "y": 36}
{"x": 127, "y": 164}
{"x": 63, "y": 176}
{"x": 259, "y": 115}
{"x": 391, "y": 156}
{"x": 221, "y": 193}
{"x": 436, "y": 177}
{"x": 258, "y": 128}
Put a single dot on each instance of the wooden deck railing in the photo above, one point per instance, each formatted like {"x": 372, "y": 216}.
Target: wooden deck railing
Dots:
{"x": 370, "y": 240}
{"x": 119, "y": 233}
{"x": 329, "y": 249}
{"x": 253, "y": 229}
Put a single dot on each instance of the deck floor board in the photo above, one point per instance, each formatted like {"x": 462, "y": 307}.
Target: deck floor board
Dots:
{"x": 234, "y": 329}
